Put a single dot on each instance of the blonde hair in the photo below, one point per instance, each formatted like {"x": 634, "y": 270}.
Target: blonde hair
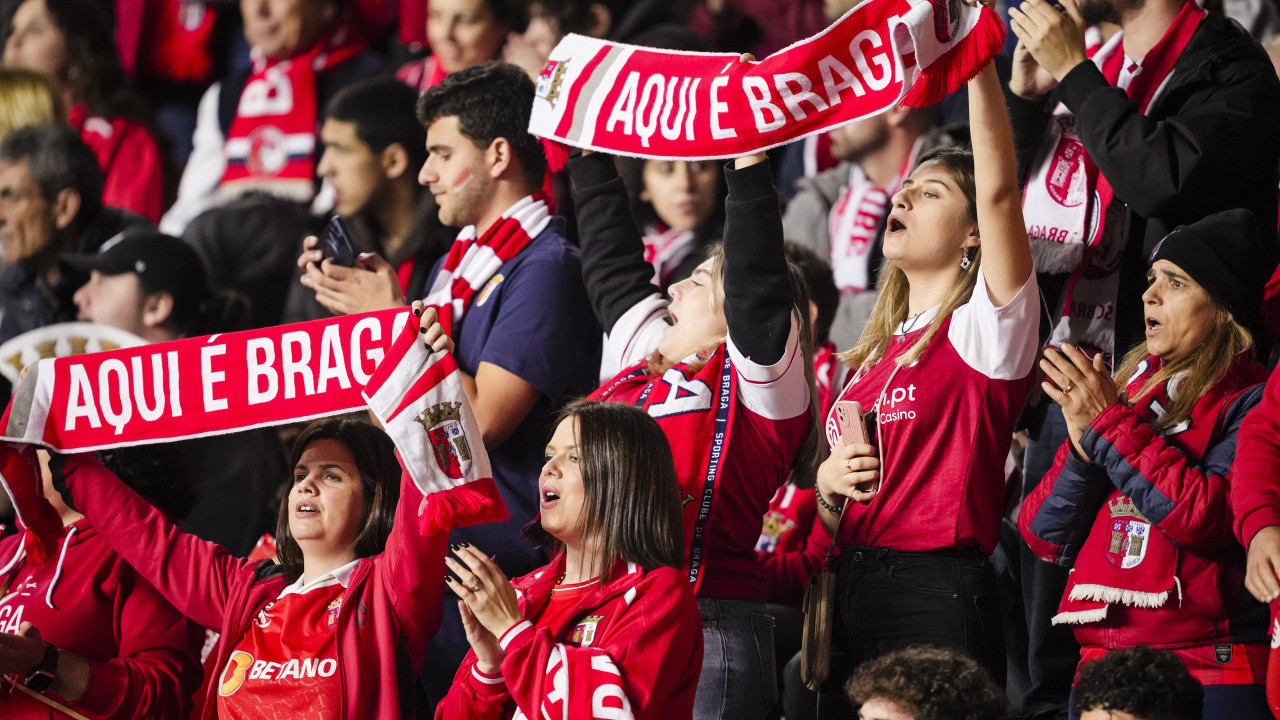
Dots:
{"x": 892, "y": 304}
{"x": 1200, "y": 369}
{"x": 26, "y": 98}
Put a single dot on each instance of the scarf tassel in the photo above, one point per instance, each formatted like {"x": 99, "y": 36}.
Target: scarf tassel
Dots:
{"x": 958, "y": 65}
{"x": 473, "y": 503}
{"x": 1109, "y": 595}
{"x": 1080, "y": 617}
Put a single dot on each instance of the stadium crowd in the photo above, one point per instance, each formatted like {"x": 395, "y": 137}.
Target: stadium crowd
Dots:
{"x": 1001, "y": 363}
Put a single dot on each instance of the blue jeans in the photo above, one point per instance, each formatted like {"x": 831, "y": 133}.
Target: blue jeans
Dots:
{"x": 738, "y": 680}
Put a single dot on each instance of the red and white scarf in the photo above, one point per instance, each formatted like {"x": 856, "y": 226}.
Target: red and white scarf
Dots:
{"x": 1126, "y": 560}
{"x": 665, "y": 248}
{"x": 272, "y": 140}
{"x": 473, "y": 262}
{"x": 829, "y": 373}
{"x": 854, "y": 223}
{"x": 646, "y": 102}
{"x": 1073, "y": 225}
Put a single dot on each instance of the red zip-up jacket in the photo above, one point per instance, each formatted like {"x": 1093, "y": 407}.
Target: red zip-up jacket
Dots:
{"x": 1255, "y": 474}
{"x": 636, "y": 644}
{"x": 390, "y": 608}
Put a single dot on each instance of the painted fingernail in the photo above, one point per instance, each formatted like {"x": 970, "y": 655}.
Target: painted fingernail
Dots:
{"x": 466, "y": 545}
{"x": 448, "y": 579}
{"x": 422, "y": 330}
{"x": 417, "y": 311}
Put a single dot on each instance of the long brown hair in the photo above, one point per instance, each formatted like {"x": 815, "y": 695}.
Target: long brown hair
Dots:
{"x": 1200, "y": 369}
{"x": 632, "y": 499}
{"x": 892, "y": 304}
{"x": 375, "y": 459}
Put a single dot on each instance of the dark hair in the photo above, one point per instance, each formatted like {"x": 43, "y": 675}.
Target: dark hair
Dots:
{"x": 631, "y": 170}
{"x": 491, "y": 101}
{"x": 221, "y": 311}
{"x": 159, "y": 473}
{"x": 382, "y": 110}
{"x": 816, "y": 272}
{"x": 374, "y": 455}
{"x": 931, "y": 683}
{"x": 958, "y": 162}
{"x": 94, "y": 71}
{"x": 1148, "y": 684}
{"x": 628, "y": 476}
{"x": 57, "y": 159}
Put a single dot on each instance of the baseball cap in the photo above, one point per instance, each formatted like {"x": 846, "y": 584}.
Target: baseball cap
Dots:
{"x": 162, "y": 262}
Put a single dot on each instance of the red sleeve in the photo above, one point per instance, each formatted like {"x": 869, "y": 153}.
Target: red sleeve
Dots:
{"x": 473, "y": 696}
{"x": 193, "y": 574}
{"x": 787, "y": 572}
{"x": 157, "y": 668}
{"x": 649, "y": 653}
{"x": 1255, "y": 474}
{"x": 412, "y": 568}
{"x": 134, "y": 171}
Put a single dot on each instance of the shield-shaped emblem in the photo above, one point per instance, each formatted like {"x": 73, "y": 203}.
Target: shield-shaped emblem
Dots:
{"x": 585, "y": 632}
{"x": 331, "y": 613}
{"x": 453, "y": 453}
{"x": 1128, "y": 541}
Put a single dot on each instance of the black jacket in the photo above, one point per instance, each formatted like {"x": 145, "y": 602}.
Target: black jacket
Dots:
{"x": 1210, "y": 142}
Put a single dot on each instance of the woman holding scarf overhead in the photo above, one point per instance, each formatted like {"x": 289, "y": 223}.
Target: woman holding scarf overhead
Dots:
{"x": 730, "y": 382}
{"x": 944, "y": 362}
{"x": 1138, "y": 500}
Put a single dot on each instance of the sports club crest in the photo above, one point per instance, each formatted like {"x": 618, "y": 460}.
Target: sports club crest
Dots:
{"x": 775, "y": 526}
{"x": 550, "y": 79}
{"x": 267, "y": 153}
{"x": 1129, "y": 534}
{"x": 489, "y": 287}
{"x": 1066, "y": 180}
{"x": 443, "y": 424}
{"x": 585, "y": 632}
{"x": 331, "y": 613}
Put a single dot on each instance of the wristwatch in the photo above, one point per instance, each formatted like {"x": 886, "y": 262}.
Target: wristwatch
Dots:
{"x": 43, "y": 676}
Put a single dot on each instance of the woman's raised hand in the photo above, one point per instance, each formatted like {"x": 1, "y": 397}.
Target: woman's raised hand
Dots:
{"x": 484, "y": 589}
{"x": 489, "y": 652}
{"x": 433, "y": 335}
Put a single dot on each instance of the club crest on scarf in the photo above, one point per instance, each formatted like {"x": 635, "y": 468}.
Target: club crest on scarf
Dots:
{"x": 550, "y": 80}
{"x": 1066, "y": 180}
{"x": 267, "y": 152}
{"x": 443, "y": 424}
{"x": 946, "y": 19}
{"x": 584, "y": 633}
{"x": 775, "y": 526}
{"x": 1129, "y": 534}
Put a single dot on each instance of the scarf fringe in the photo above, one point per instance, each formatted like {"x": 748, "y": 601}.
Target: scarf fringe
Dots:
{"x": 958, "y": 65}
{"x": 470, "y": 504}
{"x": 1080, "y": 617}
{"x": 1132, "y": 598}
{"x": 1056, "y": 258}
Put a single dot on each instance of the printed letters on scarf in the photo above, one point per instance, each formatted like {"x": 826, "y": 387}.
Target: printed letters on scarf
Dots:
{"x": 695, "y": 410}
{"x": 1073, "y": 224}
{"x": 644, "y": 102}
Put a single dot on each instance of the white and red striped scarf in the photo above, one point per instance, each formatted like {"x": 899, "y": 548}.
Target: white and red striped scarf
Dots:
{"x": 472, "y": 262}
{"x": 665, "y": 248}
{"x": 272, "y": 140}
{"x": 1073, "y": 225}
{"x": 855, "y": 221}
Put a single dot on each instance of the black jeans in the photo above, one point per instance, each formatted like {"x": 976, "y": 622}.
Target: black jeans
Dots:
{"x": 888, "y": 600}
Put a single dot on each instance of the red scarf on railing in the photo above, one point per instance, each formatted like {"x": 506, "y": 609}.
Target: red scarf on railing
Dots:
{"x": 473, "y": 262}
{"x": 645, "y": 102}
{"x": 272, "y": 140}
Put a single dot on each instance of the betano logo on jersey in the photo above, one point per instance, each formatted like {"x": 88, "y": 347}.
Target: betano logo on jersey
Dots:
{"x": 242, "y": 666}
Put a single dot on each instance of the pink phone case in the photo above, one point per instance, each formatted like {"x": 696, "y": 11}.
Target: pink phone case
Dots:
{"x": 849, "y": 417}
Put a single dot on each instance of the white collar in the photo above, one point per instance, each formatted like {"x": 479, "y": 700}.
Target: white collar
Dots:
{"x": 338, "y": 576}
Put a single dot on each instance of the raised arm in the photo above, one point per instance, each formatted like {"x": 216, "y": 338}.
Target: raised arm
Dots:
{"x": 1006, "y": 253}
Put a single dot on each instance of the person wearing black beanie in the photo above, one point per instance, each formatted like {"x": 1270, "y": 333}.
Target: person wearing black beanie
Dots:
{"x": 1138, "y": 502}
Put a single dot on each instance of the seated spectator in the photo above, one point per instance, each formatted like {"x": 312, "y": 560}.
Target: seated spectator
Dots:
{"x": 111, "y": 645}
{"x": 1138, "y": 501}
{"x": 256, "y": 129}
{"x": 1137, "y": 684}
{"x": 611, "y": 623}
{"x": 65, "y": 40}
{"x": 155, "y": 287}
{"x": 925, "y": 683}
{"x": 462, "y": 33}
{"x": 50, "y": 203}
{"x": 374, "y": 147}
{"x": 840, "y": 214}
{"x": 27, "y": 98}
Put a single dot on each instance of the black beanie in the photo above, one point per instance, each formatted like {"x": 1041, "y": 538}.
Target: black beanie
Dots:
{"x": 1223, "y": 253}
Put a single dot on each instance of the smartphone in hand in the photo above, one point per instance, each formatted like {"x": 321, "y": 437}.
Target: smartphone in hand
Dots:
{"x": 336, "y": 243}
{"x": 854, "y": 431}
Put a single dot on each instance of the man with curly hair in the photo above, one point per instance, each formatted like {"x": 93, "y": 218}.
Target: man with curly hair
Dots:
{"x": 1137, "y": 684}
{"x": 924, "y": 683}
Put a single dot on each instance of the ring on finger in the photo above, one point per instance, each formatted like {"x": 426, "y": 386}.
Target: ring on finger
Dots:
{"x": 1069, "y": 386}
{"x": 475, "y": 587}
